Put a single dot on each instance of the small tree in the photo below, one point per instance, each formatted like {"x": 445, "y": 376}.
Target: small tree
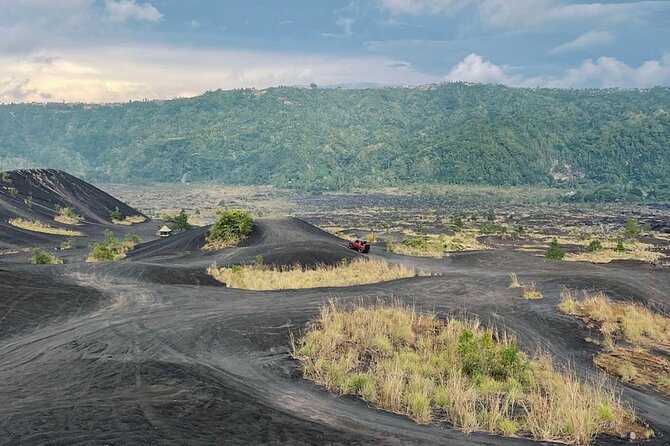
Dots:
{"x": 632, "y": 229}
{"x": 555, "y": 251}
{"x": 179, "y": 222}
{"x": 595, "y": 245}
{"x": 620, "y": 247}
{"x": 116, "y": 214}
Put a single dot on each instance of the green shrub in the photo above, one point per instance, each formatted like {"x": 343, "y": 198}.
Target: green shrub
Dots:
{"x": 102, "y": 252}
{"x": 70, "y": 243}
{"x": 112, "y": 248}
{"x": 595, "y": 245}
{"x": 620, "y": 247}
{"x": 493, "y": 228}
{"x": 132, "y": 238}
{"x": 41, "y": 257}
{"x": 418, "y": 242}
{"x": 632, "y": 229}
{"x": 116, "y": 214}
{"x": 231, "y": 226}
{"x": 259, "y": 263}
{"x": 555, "y": 251}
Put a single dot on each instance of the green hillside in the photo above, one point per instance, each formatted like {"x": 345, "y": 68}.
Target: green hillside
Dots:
{"x": 320, "y": 138}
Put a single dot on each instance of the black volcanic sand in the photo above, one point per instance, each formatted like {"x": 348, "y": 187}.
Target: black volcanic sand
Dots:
{"x": 47, "y": 189}
{"x": 152, "y": 351}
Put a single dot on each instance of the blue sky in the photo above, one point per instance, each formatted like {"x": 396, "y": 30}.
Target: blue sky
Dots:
{"x": 118, "y": 50}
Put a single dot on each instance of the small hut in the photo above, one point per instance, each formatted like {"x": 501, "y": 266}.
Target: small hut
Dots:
{"x": 164, "y": 231}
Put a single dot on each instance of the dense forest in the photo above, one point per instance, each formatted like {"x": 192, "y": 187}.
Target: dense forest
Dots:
{"x": 334, "y": 139}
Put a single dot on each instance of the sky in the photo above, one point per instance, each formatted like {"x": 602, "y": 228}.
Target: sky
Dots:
{"x": 121, "y": 50}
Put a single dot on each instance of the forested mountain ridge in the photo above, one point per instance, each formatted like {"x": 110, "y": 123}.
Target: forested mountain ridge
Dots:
{"x": 320, "y": 138}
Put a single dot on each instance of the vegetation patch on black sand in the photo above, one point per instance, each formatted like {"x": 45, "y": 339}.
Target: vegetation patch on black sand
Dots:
{"x": 635, "y": 341}
{"x": 231, "y": 226}
{"x": 346, "y": 273}
{"x": 458, "y": 371}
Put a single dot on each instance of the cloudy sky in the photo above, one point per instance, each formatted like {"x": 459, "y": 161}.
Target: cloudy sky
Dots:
{"x": 118, "y": 50}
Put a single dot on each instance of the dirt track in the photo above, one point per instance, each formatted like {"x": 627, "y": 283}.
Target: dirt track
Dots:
{"x": 151, "y": 351}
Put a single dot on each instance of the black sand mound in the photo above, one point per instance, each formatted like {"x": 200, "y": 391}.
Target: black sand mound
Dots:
{"x": 36, "y": 194}
{"x": 33, "y": 297}
{"x": 281, "y": 242}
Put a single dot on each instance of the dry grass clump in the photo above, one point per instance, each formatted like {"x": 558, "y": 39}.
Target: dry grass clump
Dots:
{"x": 129, "y": 220}
{"x": 633, "y": 322}
{"x": 530, "y": 290}
{"x": 356, "y": 272}
{"x": 436, "y": 246}
{"x": 399, "y": 360}
{"x": 38, "y": 226}
{"x": 641, "y": 331}
{"x": 514, "y": 281}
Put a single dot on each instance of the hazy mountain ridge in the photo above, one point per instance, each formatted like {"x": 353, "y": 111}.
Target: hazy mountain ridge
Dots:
{"x": 322, "y": 138}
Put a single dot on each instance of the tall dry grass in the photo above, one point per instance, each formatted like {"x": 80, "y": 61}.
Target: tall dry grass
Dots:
{"x": 38, "y": 226}
{"x": 641, "y": 358}
{"x": 356, "y": 272}
{"x": 412, "y": 363}
{"x": 633, "y": 322}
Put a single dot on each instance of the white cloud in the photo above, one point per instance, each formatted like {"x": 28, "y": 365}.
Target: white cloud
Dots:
{"x": 605, "y": 72}
{"x": 124, "y": 10}
{"x": 345, "y": 23}
{"x": 418, "y": 7}
{"x": 590, "y": 39}
{"x": 608, "y": 72}
{"x": 475, "y": 69}
{"x": 515, "y": 13}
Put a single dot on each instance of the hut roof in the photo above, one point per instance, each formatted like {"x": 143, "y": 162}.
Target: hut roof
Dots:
{"x": 165, "y": 229}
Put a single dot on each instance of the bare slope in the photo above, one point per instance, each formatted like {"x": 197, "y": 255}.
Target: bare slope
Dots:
{"x": 36, "y": 194}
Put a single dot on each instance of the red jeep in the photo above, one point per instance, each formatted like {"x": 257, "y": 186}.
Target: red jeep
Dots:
{"x": 360, "y": 245}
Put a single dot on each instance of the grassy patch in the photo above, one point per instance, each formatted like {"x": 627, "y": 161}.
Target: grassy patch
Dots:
{"x": 129, "y": 220}
{"x": 356, "y": 272}
{"x": 631, "y": 251}
{"x": 402, "y": 361}
{"x": 640, "y": 333}
{"x": 68, "y": 216}
{"x": 41, "y": 257}
{"x": 38, "y": 226}
{"x": 112, "y": 249}
{"x": 436, "y": 246}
